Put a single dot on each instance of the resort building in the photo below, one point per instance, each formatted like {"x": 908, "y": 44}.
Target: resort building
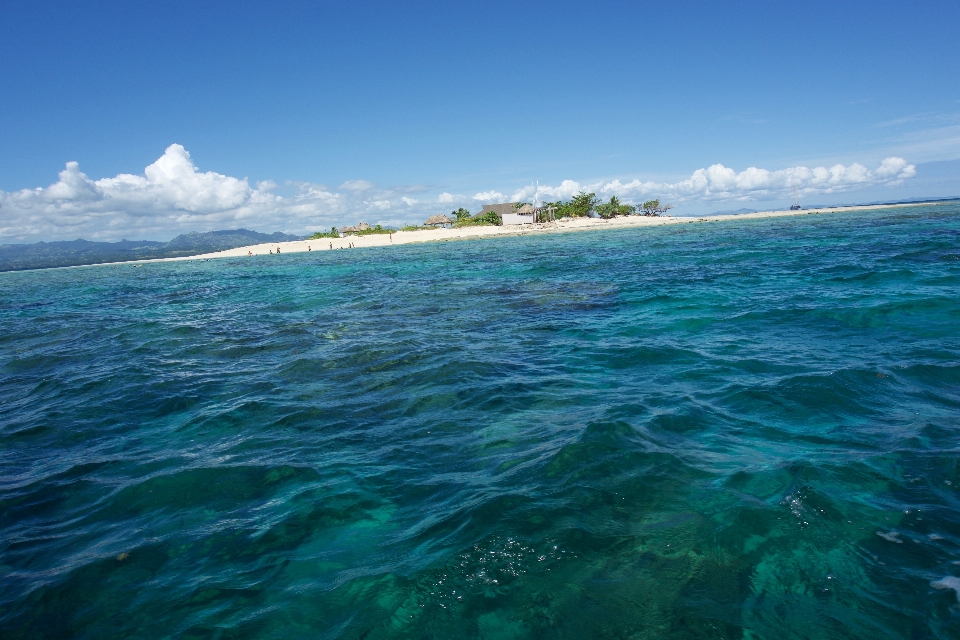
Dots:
{"x": 510, "y": 213}
{"x": 513, "y": 213}
{"x": 524, "y": 215}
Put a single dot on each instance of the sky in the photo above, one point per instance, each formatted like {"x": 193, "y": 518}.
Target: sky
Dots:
{"x": 145, "y": 120}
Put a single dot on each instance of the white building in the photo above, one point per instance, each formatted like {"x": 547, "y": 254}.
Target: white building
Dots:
{"x": 510, "y": 213}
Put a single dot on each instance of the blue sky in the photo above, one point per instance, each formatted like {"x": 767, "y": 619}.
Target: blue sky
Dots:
{"x": 295, "y": 116}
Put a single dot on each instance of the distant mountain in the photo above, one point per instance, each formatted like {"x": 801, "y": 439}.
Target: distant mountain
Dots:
{"x": 69, "y": 253}
{"x": 223, "y": 240}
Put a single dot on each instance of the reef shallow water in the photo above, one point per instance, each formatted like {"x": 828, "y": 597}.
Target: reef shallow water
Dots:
{"x": 745, "y": 429}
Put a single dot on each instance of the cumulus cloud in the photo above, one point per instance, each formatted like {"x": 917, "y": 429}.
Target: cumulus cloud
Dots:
{"x": 171, "y": 193}
{"x": 489, "y": 196}
{"x": 173, "y": 196}
{"x": 719, "y": 183}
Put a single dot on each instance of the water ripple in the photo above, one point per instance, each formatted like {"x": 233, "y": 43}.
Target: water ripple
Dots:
{"x": 736, "y": 430}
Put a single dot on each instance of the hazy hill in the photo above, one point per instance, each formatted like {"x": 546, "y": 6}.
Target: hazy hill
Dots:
{"x": 68, "y": 253}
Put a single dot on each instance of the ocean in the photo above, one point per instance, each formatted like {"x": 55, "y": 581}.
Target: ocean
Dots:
{"x": 740, "y": 429}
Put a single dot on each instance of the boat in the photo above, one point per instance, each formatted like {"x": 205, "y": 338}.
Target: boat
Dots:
{"x": 796, "y": 200}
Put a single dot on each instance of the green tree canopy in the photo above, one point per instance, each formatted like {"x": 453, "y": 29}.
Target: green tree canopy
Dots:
{"x": 614, "y": 208}
{"x": 582, "y": 204}
{"x": 333, "y": 233}
{"x": 461, "y": 214}
{"x": 654, "y": 208}
{"x": 490, "y": 217}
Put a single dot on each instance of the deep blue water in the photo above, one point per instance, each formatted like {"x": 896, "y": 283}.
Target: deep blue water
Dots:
{"x": 745, "y": 429}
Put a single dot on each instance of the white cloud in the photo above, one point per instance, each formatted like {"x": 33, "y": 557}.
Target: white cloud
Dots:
{"x": 173, "y": 196}
{"x": 566, "y": 190}
{"x": 931, "y": 145}
{"x": 491, "y": 196}
{"x": 719, "y": 183}
{"x": 173, "y": 182}
{"x": 357, "y": 185}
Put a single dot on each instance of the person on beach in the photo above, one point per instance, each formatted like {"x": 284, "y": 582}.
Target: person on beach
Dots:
{"x": 278, "y": 250}
{"x": 331, "y": 246}
{"x": 309, "y": 248}
{"x": 249, "y": 253}
{"x": 271, "y": 251}
{"x": 391, "y": 236}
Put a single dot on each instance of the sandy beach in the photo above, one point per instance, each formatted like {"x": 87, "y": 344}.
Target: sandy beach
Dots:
{"x": 466, "y": 233}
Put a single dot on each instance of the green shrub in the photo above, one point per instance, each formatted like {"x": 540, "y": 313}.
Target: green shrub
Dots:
{"x": 374, "y": 231}
{"x": 333, "y": 233}
{"x": 489, "y": 218}
{"x": 614, "y": 208}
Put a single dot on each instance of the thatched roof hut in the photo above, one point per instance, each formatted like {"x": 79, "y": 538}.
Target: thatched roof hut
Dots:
{"x": 437, "y": 221}
{"x": 363, "y": 226}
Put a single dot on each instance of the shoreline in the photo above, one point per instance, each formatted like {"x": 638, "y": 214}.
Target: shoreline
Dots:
{"x": 467, "y": 233}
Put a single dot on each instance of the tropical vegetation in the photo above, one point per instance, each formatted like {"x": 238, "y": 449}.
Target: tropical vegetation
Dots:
{"x": 376, "y": 229}
{"x": 335, "y": 233}
{"x": 614, "y": 208}
{"x": 464, "y": 219}
{"x": 580, "y": 206}
{"x": 654, "y": 208}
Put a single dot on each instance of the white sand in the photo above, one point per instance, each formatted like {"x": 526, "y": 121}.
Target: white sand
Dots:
{"x": 446, "y": 235}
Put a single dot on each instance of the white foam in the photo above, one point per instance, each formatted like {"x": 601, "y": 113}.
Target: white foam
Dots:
{"x": 948, "y": 582}
{"x": 891, "y": 536}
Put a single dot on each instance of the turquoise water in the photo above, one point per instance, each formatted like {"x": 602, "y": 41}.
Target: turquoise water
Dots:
{"x": 745, "y": 429}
